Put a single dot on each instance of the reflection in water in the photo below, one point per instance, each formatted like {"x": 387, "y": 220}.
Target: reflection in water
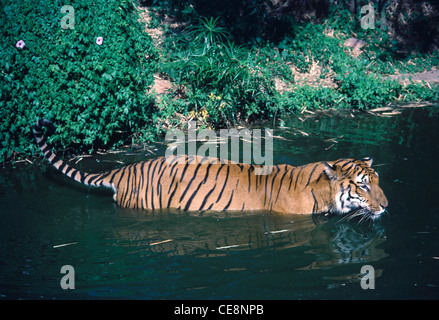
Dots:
{"x": 344, "y": 243}
{"x": 330, "y": 241}
{"x": 296, "y": 243}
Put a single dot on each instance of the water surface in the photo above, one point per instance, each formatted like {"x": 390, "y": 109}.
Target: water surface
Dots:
{"x": 47, "y": 221}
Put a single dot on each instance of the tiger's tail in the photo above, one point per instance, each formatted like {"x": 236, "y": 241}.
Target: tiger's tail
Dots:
{"x": 90, "y": 179}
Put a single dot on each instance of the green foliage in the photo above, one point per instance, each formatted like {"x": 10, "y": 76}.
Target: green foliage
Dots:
{"x": 306, "y": 97}
{"x": 225, "y": 84}
{"x": 207, "y": 33}
{"x": 207, "y": 65}
{"x": 226, "y": 64}
{"x": 248, "y": 22}
{"x": 309, "y": 43}
{"x": 359, "y": 81}
{"x": 95, "y": 94}
{"x": 367, "y": 91}
{"x": 421, "y": 92}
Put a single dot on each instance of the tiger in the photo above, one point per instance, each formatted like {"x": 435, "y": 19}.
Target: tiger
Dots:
{"x": 195, "y": 183}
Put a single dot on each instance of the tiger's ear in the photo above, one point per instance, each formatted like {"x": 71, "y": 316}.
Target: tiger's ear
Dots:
{"x": 368, "y": 161}
{"x": 331, "y": 170}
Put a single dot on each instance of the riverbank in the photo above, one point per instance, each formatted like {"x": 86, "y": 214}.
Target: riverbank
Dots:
{"x": 293, "y": 124}
{"x": 220, "y": 67}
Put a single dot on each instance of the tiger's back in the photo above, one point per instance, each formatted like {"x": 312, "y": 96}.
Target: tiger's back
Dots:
{"x": 196, "y": 184}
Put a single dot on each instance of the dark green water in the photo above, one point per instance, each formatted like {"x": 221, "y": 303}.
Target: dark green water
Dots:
{"x": 127, "y": 254}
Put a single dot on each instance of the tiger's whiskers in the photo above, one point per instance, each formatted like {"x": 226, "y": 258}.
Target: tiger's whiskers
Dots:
{"x": 364, "y": 213}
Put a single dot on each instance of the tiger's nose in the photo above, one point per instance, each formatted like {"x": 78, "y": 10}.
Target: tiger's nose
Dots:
{"x": 384, "y": 205}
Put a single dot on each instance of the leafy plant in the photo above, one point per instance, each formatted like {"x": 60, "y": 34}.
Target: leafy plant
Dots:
{"x": 208, "y": 32}
{"x": 92, "y": 81}
{"x": 367, "y": 91}
{"x": 93, "y": 89}
{"x": 206, "y": 64}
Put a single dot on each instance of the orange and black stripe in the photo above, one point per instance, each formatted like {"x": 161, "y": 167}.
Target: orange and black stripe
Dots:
{"x": 192, "y": 183}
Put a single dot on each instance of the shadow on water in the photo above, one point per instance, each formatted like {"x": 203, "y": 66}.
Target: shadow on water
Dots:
{"x": 48, "y": 221}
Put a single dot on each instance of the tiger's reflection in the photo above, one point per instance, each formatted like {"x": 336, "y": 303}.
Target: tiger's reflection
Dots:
{"x": 330, "y": 241}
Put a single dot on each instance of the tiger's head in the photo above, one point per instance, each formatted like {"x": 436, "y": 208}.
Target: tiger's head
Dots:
{"x": 356, "y": 188}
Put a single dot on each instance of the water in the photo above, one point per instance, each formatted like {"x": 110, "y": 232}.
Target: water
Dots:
{"x": 120, "y": 253}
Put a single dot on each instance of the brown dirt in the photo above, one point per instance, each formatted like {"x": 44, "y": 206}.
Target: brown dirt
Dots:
{"x": 429, "y": 77}
{"x": 161, "y": 85}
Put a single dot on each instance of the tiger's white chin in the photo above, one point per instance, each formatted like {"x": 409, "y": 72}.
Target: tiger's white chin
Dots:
{"x": 375, "y": 215}
{"x": 363, "y": 213}
{"x": 372, "y": 215}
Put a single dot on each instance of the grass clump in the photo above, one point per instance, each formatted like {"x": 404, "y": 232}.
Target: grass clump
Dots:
{"x": 217, "y": 77}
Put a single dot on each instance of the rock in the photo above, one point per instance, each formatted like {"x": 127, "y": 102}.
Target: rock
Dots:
{"x": 354, "y": 43}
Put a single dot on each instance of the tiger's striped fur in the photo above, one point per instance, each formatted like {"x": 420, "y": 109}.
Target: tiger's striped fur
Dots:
{"x": 200, "y": 184}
